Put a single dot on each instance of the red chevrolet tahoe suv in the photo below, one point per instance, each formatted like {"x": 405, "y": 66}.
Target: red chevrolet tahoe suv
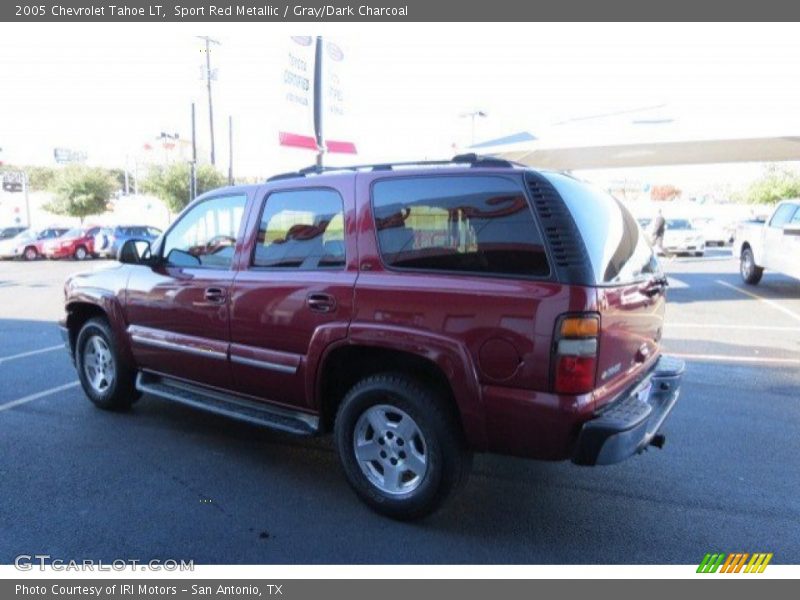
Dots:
{"x": 419, "y": 312}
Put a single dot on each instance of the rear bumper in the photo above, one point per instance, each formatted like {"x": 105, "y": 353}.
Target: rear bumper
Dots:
{"x": 631, "y": 423}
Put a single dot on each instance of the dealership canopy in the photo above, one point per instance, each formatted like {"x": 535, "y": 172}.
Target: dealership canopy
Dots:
{"x": 630, "y": 139}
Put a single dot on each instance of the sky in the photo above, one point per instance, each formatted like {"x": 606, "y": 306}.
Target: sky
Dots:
{"x": 108, "y": 89}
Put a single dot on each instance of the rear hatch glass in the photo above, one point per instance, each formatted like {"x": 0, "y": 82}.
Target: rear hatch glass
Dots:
{"x": 628, "y": 279}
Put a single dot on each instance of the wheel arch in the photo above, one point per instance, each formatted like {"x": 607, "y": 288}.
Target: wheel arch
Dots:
{"x": 451, "y": 374}
{"x": 88, "y": 306}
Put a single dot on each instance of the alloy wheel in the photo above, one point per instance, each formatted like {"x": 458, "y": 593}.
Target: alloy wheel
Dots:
{"x": 98, "y": 364}
{"x": 390, "y": 449}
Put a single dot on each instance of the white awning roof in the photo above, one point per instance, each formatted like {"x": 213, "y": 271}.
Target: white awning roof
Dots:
{"x": 688, "y": 152}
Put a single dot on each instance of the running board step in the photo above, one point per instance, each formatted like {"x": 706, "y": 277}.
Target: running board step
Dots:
{"x": 227, "y": 404}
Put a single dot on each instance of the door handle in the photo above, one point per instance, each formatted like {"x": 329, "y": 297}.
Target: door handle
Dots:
{"x": 320, "y": 302}
{"x": 215, "y": 295}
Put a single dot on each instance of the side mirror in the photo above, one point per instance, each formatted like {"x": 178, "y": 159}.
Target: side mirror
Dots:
{"x": 134, "y": 252}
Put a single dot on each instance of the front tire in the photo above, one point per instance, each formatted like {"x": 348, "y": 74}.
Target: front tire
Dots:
{"x": 105, "y": 378}
{"x": 402, "y": 450}
{"x": 751, "y": 273}
{"x": 30, "y": 253}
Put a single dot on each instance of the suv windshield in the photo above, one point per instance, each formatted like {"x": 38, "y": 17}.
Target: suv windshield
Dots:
{"x": 618, "y": 248}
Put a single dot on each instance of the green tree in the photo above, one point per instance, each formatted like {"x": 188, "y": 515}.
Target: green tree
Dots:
{"x": 81, "y": 191}
{"x": 777, "y": 183}
{"x": 171, "y": 184}
{"x": 41, "y": 178}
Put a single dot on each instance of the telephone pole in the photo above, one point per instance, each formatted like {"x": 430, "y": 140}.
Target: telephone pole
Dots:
{"x": 230, "y": 150}
{"x": 193, "y": 164}
{"x": 208, "y": 42}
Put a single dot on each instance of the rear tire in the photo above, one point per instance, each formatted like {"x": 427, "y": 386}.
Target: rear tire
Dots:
{"x": 81, "y": 253}
{"x": 106, "y": 379}
{"x": 401, "y": 449}
{"x": 751, "y": 273}
{"x": 30, "y": 253}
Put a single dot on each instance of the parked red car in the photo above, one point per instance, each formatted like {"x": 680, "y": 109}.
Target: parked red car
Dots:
{"x": 420, "y": 313}
{"x": 77, "y": 243}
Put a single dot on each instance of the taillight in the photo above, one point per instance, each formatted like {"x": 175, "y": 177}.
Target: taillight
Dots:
{"x": 575, "y": 354}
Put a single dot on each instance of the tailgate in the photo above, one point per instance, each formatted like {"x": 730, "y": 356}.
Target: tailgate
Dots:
{"x": 631, "y": 321}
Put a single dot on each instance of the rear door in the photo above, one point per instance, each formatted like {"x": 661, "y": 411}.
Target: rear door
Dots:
{"x": 178, "y": 310}
{"x": 629, "y": 284}
{"x": 294, "y": 293}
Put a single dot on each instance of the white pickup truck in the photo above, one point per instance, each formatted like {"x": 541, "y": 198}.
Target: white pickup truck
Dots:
{"x": 774, "y": 244}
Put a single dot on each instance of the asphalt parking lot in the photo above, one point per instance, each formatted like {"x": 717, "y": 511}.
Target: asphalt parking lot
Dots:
{"x": 164, "y": 481}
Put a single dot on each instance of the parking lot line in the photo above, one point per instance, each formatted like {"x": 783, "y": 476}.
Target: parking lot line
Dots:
{"x": 738, "y": 359}
{"x": 31, "y": 353}
{"x": 767, "y": 301}
{"x": 37, "y": 395}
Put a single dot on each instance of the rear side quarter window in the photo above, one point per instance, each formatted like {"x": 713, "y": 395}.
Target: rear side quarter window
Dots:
{"x": 460, "y": 224}
{"x": 618, "y": 249}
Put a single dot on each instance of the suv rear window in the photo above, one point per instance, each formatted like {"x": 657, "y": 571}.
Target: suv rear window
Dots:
{"x": 618, "y": 248}
{"x": 470, "y": 224}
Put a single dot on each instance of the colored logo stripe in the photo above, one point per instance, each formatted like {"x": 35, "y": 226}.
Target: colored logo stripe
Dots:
{"x": 711, "y": 563}
{"x": 733, "y": 563}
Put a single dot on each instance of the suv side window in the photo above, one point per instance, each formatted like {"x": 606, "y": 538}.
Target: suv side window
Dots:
{"x": 470, "y": 224}
{"x": 206, "y": 235}
{"x": 783, "y": 215}
{"x": 301, "y": 229}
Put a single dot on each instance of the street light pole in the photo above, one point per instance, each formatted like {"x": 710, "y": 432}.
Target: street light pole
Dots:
{"x": 208, "y": 42}
{"x": 472, "y": 115}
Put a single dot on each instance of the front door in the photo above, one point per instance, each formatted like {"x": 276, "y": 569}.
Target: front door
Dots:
{"x": 790, "y": 246}
{"x": 774, "y": 238}
{"x": 178, "y": 310}
{"x": 294, "y": 295}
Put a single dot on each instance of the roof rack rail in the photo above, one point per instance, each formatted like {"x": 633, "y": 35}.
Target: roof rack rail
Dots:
{"x": 474, "y": 160}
